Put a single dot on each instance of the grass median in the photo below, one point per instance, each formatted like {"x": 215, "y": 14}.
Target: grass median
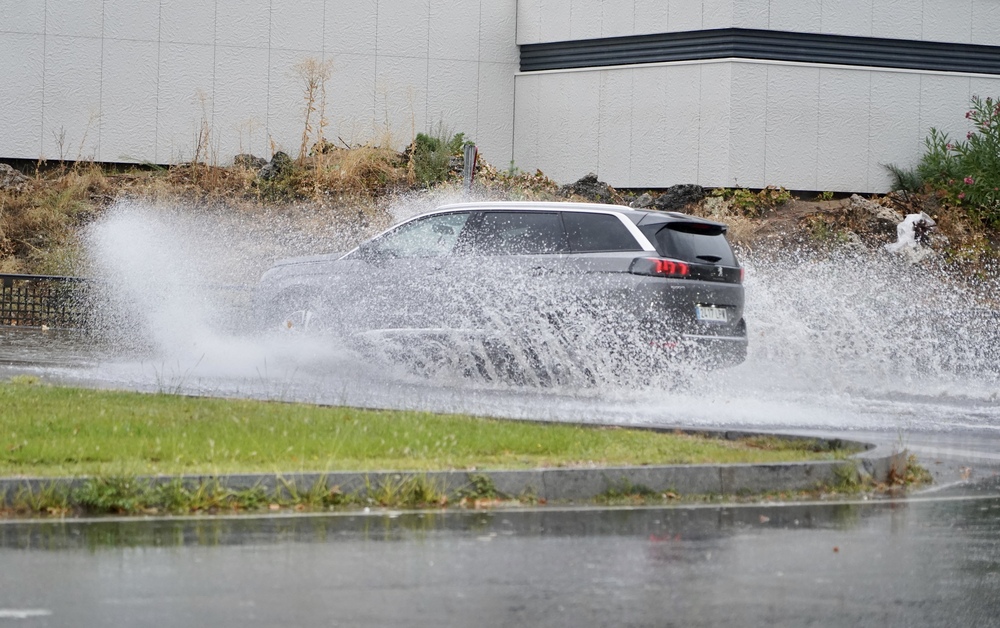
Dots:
{"x": 48, "y": 431}
{"x": 115, "y": 443}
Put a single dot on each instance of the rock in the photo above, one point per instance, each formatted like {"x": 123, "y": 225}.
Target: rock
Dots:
{"x": 642, "y": 202}
{"x": 249, "y": 162}
{"x": 590, "y": 188}
{"x": 882, "y": 219}
{"x": 677, "y": 197}
{"x": 279, "y": 166}
{"x": 11, "y": 179}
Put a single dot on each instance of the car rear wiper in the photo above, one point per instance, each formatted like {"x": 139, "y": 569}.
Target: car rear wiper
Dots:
{"x": 709, "y": 258}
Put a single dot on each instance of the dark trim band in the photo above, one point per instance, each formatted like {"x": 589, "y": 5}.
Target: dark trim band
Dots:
{"x": 761, "y": 44}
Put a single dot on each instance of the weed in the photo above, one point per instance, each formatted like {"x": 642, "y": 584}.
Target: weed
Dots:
{"x": 822, "y": 231}
{"x": 751, "y": 203}
{"x": 910, "y": 473}
{"x": 406, "y": 491}
{"x": 480, "y": 486}
{"x": 431, "y": 155}
{"x": 315, "y": 74}
{"x": 825, "y": 196}
{"x": 113, "y": 494}
{"x": 904, "y": 179}
{"x": 847, "y": 479}
{"x": 625, "y": 491}
{"x": 51, "y": 498}
{"x": 172, "y": 496}
{"x": 319, "y": 495}
{"x": 253, "y": 498}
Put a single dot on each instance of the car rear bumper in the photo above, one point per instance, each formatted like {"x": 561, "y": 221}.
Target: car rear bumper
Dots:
{"x": 716, "y": 351}
{"x": 711, "y": 347}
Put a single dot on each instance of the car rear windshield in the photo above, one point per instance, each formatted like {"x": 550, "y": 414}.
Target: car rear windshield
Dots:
{"x": 697, "y": 243}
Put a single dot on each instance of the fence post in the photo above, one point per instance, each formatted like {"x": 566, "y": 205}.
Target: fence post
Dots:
{"x": 469, "y": 166}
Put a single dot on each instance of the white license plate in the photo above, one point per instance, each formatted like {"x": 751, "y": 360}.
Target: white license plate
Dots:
{"x": 714, "y": 314}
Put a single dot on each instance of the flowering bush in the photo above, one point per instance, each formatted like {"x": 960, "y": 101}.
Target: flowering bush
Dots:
{"x": 967, "y": 173}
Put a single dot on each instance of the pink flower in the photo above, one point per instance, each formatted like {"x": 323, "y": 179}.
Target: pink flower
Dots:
{"x": 968, "y": 135}
{"x": 948, "y": 146}
{"x": 968, "y": 114}
{"x": 951, "y": 182}
{"x": 969, "y": 180}
{"x": 961, "y": 195}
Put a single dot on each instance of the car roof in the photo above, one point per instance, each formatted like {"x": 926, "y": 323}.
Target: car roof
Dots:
{"x": 635, "y": 215}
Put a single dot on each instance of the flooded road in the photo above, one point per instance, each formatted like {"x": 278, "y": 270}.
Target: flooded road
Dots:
{"x": 915, "y": 563}
{"x": 862, "y": 347}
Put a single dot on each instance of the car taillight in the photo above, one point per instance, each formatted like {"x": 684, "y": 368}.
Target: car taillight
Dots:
{"x": 660, "y": 267}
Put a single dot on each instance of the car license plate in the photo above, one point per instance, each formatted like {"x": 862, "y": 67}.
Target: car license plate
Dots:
{"x": 709, "y": 313}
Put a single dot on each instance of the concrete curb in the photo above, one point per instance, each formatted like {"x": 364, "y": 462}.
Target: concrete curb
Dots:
{"x": 561, "y": 484}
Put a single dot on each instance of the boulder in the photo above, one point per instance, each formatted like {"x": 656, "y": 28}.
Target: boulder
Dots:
{"x": 643, "y": 201}
{"x": 590, "y": 188}
{"x": 279, "y": 166}
{"x": 677, "y": 197}
{"x": 877, "y": 218}
{"x": 11, "y": 179}
{"x": 249, "y": 162}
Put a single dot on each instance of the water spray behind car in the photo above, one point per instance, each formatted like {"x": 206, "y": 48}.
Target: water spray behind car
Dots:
{"x": 820, "y": 326}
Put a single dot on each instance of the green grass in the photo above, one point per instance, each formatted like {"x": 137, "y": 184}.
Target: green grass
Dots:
{"x": 50, "y": 431}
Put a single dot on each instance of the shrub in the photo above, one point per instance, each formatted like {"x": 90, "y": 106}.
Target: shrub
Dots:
{"x": 967, "y": 172}
{"x": 431, "y": 154}
{"x": 749, "y": 203}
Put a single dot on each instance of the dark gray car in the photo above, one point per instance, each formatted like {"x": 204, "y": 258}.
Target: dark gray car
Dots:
{"x": 556, "y": 279}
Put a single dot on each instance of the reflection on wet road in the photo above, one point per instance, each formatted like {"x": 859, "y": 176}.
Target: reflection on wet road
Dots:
{"x": 908, "y": 563}
{"x": 916, "y": 563}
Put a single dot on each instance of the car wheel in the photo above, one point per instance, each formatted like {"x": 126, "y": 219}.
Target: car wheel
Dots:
{"x": 297, "y": 314}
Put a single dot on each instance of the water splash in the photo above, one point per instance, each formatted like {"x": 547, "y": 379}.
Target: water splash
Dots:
{"x": 851, "y": 339}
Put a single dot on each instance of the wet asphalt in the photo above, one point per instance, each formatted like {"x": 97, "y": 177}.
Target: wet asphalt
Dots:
{"x": 917, "y": 562}
{"x": 932, "y": 559}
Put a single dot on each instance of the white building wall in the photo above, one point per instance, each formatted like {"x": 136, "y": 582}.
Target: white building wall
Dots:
{"x": 134, "y": 80}
{"x": 956, "y": 21}
{"x": 137, "y": 80}
{"x": 736, "y": 123}
{"x": 742, "y": 122}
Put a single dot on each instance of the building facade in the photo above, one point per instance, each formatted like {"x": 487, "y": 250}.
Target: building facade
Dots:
{"x": 806, "y": 94}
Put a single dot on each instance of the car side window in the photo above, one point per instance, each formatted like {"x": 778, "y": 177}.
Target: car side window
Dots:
{"x": 590, "y": 233}
{"x": 432, "y": 236}
{"x": 517, "y": 233}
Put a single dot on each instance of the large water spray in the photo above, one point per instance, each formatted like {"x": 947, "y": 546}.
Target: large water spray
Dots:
{"x": 858, "y": 338}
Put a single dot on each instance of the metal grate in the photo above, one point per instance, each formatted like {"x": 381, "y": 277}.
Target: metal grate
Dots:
{"x": 745, "y": 43}
{"x": 41, "y": 301}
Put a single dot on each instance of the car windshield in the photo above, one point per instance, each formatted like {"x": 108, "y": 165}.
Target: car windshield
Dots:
{"x": 431, "y": 236}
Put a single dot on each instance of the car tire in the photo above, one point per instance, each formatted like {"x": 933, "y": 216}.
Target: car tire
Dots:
{"x": 296, "y": 313}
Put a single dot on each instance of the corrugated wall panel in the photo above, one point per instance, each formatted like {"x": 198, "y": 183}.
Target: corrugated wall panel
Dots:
{"x": 130, "y": 80}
